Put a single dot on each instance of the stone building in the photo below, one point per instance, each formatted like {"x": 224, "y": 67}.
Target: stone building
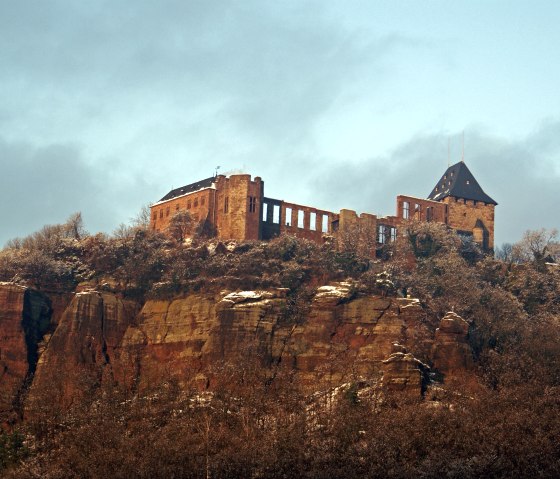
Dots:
{"x": 238, "y": 209}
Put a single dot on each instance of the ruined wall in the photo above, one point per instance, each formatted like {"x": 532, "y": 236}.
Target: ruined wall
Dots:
{"x": 305, "y": 221}
{"x": 463, "y": 215}
{"x": 199, "y": 204}
{"x": 238, "y": 207}
{"x": 411, "y": 208}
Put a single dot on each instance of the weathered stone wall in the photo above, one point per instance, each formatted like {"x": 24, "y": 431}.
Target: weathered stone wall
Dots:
{"x": 464, "y": 214}
{"x": 308, "y": 229}
{"x": 234, "y": 217}
{"x": 420, "y": 209}
{"x": 199, "y": 204}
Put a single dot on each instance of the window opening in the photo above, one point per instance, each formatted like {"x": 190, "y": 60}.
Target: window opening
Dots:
{"x": 252, "y": 204}
{"x": 226, "y": 204}
{"x": 325, "y": 224}
{"x": 406, "y": 210}
{"x": 393, "y": 234}
{"x": 381, "y": 234}
{"x": 288, "y": 216}
{"x": 195, "y": 202}
{"x": 276, "y": 214}
{"x": 313, "y": 221}
{"x": 300, "y": 218}
{"x": 265, "y": 211}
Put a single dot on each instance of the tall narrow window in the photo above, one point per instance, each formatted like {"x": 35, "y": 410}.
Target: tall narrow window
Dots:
{"x": 393, "y": 233}
{"x": 161, "y": 213}
{"x": 313, "y": 221}
{"x": 429, "y": 213}
{"x": 406, "y": 210}
{"x": 325, "y": 224}
{"x": 418, "y": 211}
{"x": 276, "y": 214}
{"x": 381, "y": 234}
{"x": 155, "y": 215}
{"x": 226, "y": 204}
{"x": 300, "y": 218}
{"x": 252, "y": 204}
{"x": 189, "y": 204}
{"x": 265, "y": 211}
{"x": 288, "y": 216}
{"x": 195, "y": 202}
{"x": 202, "y": 201}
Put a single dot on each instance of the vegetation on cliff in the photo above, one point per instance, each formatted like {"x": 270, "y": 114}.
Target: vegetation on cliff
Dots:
{"x": 253, "y": 425}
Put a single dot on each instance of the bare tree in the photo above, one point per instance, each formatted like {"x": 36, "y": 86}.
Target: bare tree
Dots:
{"x": 181, "y": 225}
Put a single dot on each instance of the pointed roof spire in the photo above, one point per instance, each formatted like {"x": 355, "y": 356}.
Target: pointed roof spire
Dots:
{"x": 459, "y": 182}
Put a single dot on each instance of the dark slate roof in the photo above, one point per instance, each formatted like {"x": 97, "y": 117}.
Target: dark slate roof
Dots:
{"x": 199, "y": 185}
{"x": 459, "y": 182}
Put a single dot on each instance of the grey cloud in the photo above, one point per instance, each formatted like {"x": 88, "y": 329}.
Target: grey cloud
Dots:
{"x": 519, "y": 174}
{"x": 44, "y": 185}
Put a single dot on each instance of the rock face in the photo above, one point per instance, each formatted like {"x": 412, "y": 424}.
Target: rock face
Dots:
{"x": 451, "y": 354}
{"x": 404, "y": 374}
{"x": 24, "y": 318}
{"x": 335, "y": 337}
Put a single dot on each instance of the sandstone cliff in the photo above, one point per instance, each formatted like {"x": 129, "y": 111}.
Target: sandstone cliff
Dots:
{"x": 334, "y": 336}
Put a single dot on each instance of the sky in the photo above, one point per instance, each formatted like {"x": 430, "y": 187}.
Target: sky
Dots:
{"x": 107, "y": 105}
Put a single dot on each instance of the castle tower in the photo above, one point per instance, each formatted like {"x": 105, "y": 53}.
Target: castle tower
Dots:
{"x": 469, "y": 209}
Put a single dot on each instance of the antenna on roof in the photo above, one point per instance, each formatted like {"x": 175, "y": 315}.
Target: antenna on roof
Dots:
{"x": 216, "y": 173}
{"x": 463, "y": 150}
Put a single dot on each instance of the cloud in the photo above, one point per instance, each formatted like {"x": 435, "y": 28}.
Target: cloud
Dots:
{"x": 45, "y": 185}
{"x": 522, "y": 175}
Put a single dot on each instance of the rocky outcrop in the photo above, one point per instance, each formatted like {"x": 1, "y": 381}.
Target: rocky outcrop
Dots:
{"x": 451, "y": 354}
{"x": 337, "y": 336}
{"x": 83, "y": 350}
{"x": 24, "y": 319}
{"x": 404, "y": 374}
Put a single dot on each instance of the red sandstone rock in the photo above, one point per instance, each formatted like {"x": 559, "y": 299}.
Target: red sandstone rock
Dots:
{"x": 24, "y": 315}
{"x": 451, "y": 352}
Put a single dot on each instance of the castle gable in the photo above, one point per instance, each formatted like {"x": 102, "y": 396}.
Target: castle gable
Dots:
{"x": 459, "y": 182}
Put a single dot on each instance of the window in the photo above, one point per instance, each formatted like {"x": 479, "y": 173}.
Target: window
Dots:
{"x": 189, "y": 204}
{"x": 252, "y": 204}
{"x": 429, "y": 213}
{"x": 300, "y": 218}
{"x": 417, "y": 211}
{"x": 393, "y": 233}
{"x": 325, "y": 224}
{"x": 406, "y": 210}
{"x": 202, "y": 201}
{"x": 195, "y": 202}
{"x": 167, "y": 211}
{"x": 276, "y": 214}
{"x": 288, "y": 216}
{"x": 265, "y": 211}
{"x": 226, "y": 204}
{"x": 468, "y": 183}
{"x": 176, "y": 207}
{"x": 161, "y": 213}
{"x": 313, "y": 221}
{"x": 155, "y": 216}
{"x": 381, "y": 234}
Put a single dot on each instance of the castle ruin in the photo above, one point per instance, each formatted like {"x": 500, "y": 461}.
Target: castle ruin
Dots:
{"x": 237, "y": 208}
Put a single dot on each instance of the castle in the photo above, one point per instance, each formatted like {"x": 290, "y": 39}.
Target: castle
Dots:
{"x": 236, "y": 208}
